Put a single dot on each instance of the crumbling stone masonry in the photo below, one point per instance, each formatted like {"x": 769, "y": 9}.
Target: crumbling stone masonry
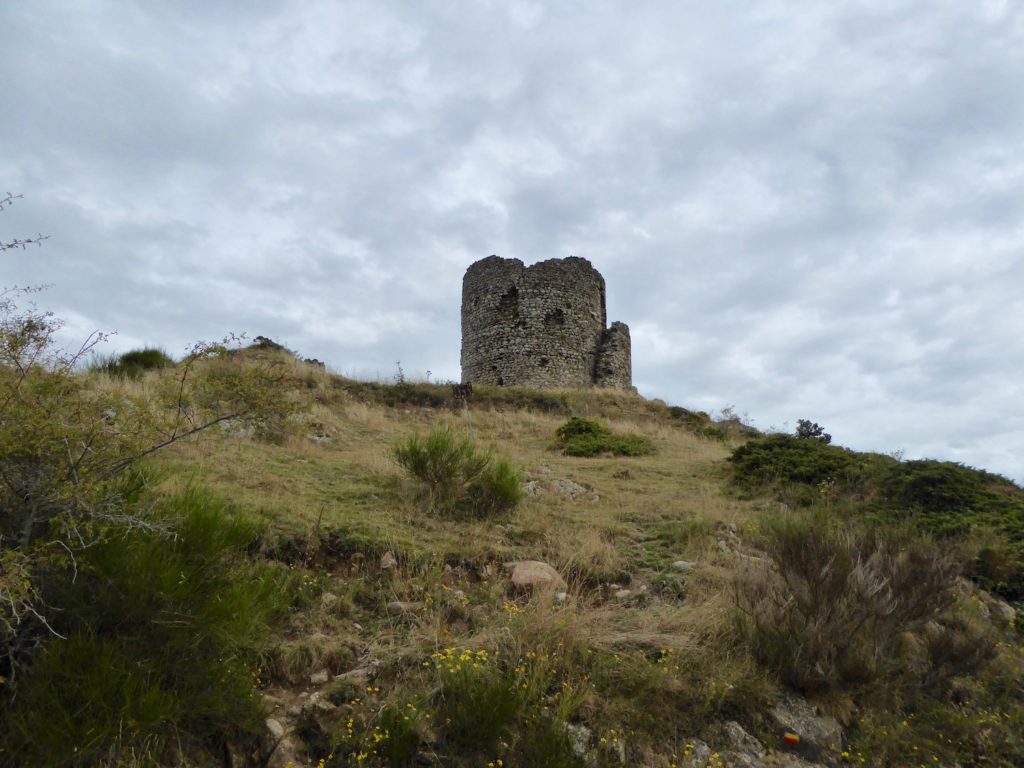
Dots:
{"x": 540, "y": 326}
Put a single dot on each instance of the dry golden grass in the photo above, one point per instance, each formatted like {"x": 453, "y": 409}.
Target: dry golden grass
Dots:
{"x": 333, "y": 473}
{"x": 652, "y": 650}
{"x": 329, "y": 489}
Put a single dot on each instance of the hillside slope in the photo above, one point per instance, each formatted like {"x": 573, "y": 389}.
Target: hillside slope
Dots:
{"x": 667, "y": 638}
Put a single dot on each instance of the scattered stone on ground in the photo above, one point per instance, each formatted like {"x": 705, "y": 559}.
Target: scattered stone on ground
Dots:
{"x": 997, "y": 609}
{"x": 319, "y": 720}
{"x": 579, "y": 738}
{"x": 821, "y": 737}
{"x": 527, "y": 574}
{"x": 317, "y": 702}
{"x": 742, "y": 742}
{"x": 359, "y": 677}
{"x": 280, "y": 747}
{"x": 402, "y": 607}
{"x": 1004, "y": 610}
{"x": 625, "y": 593}
{"x": 275, "y": 728}
{"x": 683, "y": 565}
{"x": 568, "y": 488}
{"x": 387, "y": 561}
{"x": 319, "y": 677}
{"x": 533, "y": 488}
{"x": 561, "y": 597}
{"x": 696, "y": 754}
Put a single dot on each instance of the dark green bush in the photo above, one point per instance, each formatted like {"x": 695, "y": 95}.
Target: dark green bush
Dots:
{"x": 457, "y": 477}
{"x": 951, "y": 494}
{"x": 950, "y": 499}
{"x": 698, "y": 422}
{"x": 131, "y": 365}
{"x": 586, "y": 437}
{"x": 498, "y": 490}
{"x": 788, "y": 459}
{"x": 692, "y": 419}
{"x": 164, "y": 627}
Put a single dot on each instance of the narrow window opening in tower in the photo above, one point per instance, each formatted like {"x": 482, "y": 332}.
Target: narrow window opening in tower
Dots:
{"x": 508, "y": 305}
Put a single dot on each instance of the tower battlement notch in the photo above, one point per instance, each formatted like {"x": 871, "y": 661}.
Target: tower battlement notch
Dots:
{"x": 541, "y": 326}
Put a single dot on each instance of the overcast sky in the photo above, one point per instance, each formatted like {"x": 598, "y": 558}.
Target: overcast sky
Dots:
{"x": 802, "y": 209}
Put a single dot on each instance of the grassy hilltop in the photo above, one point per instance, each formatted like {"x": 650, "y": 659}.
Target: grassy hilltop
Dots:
{"x": 277, "y": 587}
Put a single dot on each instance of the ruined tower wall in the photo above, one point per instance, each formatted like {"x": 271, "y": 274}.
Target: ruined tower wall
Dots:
{"x": 539, "y": 326}
{"x": 615, "y": 358}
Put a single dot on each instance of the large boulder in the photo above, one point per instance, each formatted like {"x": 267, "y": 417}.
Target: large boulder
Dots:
{"x": 747, "y": 751}
{"x": 280, "y": 745}
{"x": 820, "y": 737}
{"x": 530, "y": 574}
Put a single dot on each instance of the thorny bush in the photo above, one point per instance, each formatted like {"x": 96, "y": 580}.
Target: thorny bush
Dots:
{"x": 828, "y": 607}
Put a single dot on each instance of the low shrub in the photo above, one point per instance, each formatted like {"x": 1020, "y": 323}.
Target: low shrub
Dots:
{"x": 711, "y": 432}
{"x": 828, "y": 609}
{"x": 698, "y": 422}
{"x": 586, "y": 437}
{"x": 131, "y": 365}
{"x": 937, "y": 486}
{"x": 997, "y": 563}
{"x": 953, "y": 497}
{"x": 163, "y": 627}
{"x": 788, "y": 459}
{"x": 457, "y": 477}
{"x": 493, "y": 706}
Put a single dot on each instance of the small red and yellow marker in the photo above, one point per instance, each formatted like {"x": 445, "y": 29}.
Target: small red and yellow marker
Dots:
{"x": 792, "y": 739}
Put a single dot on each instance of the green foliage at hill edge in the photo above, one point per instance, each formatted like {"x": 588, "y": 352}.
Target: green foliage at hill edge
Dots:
{"x": 946, "y": 499}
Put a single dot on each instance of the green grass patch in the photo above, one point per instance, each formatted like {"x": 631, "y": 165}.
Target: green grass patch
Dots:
{"x": 587, "y": 437}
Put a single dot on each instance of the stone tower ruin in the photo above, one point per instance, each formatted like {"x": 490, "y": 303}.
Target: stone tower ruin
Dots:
{"x": 541, "y": 326}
